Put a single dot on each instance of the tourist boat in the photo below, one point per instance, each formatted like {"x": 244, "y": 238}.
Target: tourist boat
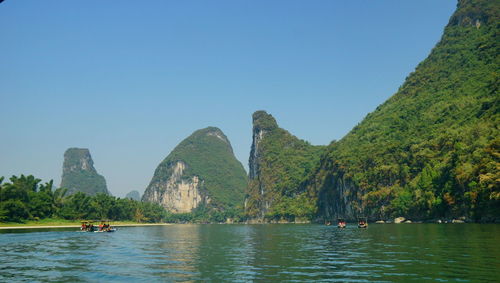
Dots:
{"x": 104, "y": 226}
{"x": 362, "y": 222}
{"x": 341, "y": 223}
{"x": 87, "y": 226}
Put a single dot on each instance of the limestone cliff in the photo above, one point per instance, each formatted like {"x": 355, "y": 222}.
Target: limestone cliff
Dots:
{"x": 200, "y": 172}
{"x": 278, "y": 163}
{"x": 175, "y": 193}
{"x": 79, "y": 174}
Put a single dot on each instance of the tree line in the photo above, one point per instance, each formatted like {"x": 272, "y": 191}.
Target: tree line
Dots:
{"x": 27, "y": 198}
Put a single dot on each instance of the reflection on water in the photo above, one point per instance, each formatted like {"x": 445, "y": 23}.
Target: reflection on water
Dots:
{"x": 240, "y": 253}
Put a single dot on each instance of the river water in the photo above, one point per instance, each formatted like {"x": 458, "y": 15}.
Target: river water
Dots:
{"x": 241, "y": 253}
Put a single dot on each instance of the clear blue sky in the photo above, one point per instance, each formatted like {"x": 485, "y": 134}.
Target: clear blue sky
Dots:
{"x": 130, "y": 79}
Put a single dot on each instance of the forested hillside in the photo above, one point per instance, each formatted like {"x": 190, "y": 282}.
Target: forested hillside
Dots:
{"x": 433, "y": 149}
{"x": 278, "y": 163}
{"x": 201, "y": 173}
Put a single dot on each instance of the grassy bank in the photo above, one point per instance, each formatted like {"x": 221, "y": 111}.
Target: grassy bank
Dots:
{"x": 63, "y": 222}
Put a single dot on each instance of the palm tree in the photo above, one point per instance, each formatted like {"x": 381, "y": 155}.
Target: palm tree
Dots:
{"x": 58, "y": 197}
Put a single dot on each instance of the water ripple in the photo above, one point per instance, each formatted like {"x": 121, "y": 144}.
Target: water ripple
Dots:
{"x": 242, "y": 253}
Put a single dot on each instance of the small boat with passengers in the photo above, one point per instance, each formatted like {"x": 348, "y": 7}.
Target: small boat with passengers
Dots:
{"x": 341, "y": 223}
{"x": 362, "y": 222}
{"x": 104, "y": 226}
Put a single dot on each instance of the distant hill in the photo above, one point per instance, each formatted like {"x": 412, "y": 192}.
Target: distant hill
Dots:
{"x": 135, "y": 195}
{"x": 201, "y": 172}
{"x": 79, "y": 174}
{"x": 278, "y": 163}
{"x": 433, "y": 149}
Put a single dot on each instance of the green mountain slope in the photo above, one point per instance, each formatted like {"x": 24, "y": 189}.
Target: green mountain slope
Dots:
{"x": 278, "y": 163}
{"x": 79, "y": 174}
{"x": 200, "y": 171}
{"x": 433, "y": 149}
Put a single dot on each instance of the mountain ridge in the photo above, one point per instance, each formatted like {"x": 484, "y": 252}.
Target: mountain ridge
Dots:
{"x": 79, "y": 174}
{"x": 201, "y": 170}
{"x": 431, "y": 149}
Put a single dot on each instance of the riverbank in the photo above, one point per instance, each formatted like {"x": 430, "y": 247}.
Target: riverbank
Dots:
{"x": 60, "y": 223}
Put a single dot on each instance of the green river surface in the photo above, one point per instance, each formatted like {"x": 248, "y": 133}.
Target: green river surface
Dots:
{"x": 264, "y": 253}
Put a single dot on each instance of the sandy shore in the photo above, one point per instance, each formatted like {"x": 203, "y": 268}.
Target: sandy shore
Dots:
{"x": 77, "y": 226}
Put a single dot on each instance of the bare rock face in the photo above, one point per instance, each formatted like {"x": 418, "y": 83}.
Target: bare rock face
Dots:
{"x": 79, "y": 174}
{"x": 177, "y": 194}
{"x": 200, "y": 172}
{"x": 338, "y": 202}
{"x": 399, "y": 220}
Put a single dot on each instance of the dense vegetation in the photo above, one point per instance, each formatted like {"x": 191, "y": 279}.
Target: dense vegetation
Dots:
{"x": 205, "y": 214}
{"x": 208, "y": 154}
{"x": 79, "y": 174}
{"x": 433, "y": 149}
{"x": 24, "y": 198}
{"x": 279, "y": 162}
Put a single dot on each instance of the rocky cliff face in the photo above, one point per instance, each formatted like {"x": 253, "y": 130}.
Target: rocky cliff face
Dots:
{"x": 337, "y": 196}
{"x": 200, "y": 172}
{"x": 177, "y": 193}
{"x": 258, "y": 205}
{"x": 79, "y": 174}
{"x": 278, "y": 163}
{"x": 262, "y": 124}
{"x": 475, "y": 13}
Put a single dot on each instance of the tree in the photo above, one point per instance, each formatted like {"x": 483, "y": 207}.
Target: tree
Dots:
{"x": 13, "y": 210}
